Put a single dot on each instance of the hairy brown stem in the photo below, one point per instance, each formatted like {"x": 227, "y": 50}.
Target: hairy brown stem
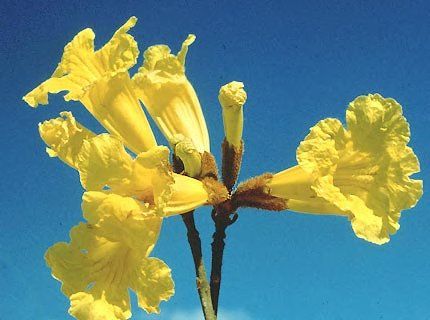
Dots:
{"x": 203, "y": 287}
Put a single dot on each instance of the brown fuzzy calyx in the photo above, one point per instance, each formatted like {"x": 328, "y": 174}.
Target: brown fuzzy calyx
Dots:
{"x": 216, "y": 190}
{"x": 231, "y": 163}
{"x": 209, "y": 167}
{"x": 254, "y": 193}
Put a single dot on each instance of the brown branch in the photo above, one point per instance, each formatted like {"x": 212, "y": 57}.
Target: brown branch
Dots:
{"x": 222, "y": 218}
{"x": 203, "y": 287}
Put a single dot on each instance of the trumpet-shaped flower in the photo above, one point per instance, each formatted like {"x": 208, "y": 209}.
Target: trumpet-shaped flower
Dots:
{"x": 100, "y": 81}
{"x": 108, "y": 255}
{"x": 103, "y": 163}
{"x": 162, "y": 86}
{"x": 361, "y": 172}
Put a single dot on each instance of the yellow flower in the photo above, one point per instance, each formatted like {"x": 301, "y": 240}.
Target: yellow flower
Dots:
{"x": 361, "y": 172}
{"x": 103, "y": 163}
{"x": 108, "y": 255}
{"x": 162, "y": 86}
{"x": 100, "y": 81}
{"x": 232, "y": 97}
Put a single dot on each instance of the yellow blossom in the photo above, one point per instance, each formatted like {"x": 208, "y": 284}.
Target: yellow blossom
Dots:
{"x": 162, "y": 86}
{"x": 361, "y": 172}
{"x": 109, "y": 255}
{"x": 232, "y": 97}
{"x": 100, "y": 81}
{"x": 103, "y": 163}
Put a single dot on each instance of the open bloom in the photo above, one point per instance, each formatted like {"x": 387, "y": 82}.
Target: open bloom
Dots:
{"x": 108, "y": 255}
{"x": 162, "y": 86}
{"x": 361, "y": 172}
{"x": 100, "y": 81}
{"x": 105, "y": 166}
{"x": 124, "y": 204}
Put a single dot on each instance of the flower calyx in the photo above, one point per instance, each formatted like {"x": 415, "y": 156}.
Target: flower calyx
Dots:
{"x": 252, "y": 193}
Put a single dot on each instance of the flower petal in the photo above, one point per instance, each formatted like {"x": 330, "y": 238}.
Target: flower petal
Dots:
{"x": 152, "y": 282}
{"x": 404, "y": 191}
{"x": 102, "y": 162}
{"x": 88, "y": 306}
{"x": 64, "y": 136}
{"x": 122, "y": 219}
{"x": 70, "y": 266}
{"x": 376, "y": 122}
{"x": 318, "y": 151}
{"x": 366, "y": 224}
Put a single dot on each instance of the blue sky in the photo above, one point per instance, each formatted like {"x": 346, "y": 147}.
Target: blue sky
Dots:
{"x": 300, "y": 62}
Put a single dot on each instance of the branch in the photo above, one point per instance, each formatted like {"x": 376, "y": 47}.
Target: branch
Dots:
{"x": 222, "y": 220}
{"x": 203, "y": 287}
{"x": 224, "y": 214}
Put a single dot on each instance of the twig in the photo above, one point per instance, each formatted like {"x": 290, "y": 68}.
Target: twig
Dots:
{"x": 222, "y": 220}
{"x": 203, "y": 287}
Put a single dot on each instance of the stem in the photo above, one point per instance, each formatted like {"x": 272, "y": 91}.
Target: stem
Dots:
{"x": 203, "y": 287}
{"x": 218, "y": 245}
{"x": 223, "y": 216}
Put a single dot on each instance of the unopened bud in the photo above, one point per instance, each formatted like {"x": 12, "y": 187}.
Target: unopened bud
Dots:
{"x": 232, "y": 97}
{"x": 186, "y": 151}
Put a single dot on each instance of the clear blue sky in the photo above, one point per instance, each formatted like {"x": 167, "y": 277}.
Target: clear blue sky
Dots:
{"x": 300, "y": 63}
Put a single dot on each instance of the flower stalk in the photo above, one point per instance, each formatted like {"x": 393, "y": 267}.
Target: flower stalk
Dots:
{"x": 202, "y": 284}
{"x": 222, "y": 218}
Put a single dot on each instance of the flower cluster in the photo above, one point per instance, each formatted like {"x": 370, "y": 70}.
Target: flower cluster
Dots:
{"x": 127, "y": 193}
{"x": 361, "y": 172}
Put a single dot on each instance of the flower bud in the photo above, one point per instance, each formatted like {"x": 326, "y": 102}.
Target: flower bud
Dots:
{"x": 187, "y": 152}
{"x": 232, "y": 97}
